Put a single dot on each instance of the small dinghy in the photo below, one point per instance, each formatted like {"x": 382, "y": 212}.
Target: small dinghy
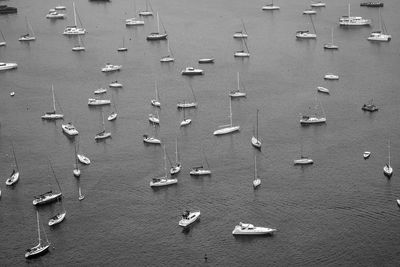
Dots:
{"x": 323, "y": 90}
{"x": 366, "y": 154}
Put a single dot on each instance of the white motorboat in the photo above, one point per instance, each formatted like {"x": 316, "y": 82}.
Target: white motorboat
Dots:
{"x": 98, "y": 102}
{"x": 353, "y": 21}
{"x": 100, "y": 91}
{"x": 110, "y": 68}
{"x": 8, "y": 66}
{"x": 305, "y": 35}
{"x": 56, "y": 219}
{"x": 199, "y": 170}
{"x": 52, "y": 115}
{"x": 192, "y": 71}
{"x": 14, "y": 176}
{"x": 206, "y": 60}
{"x": 230, "y": 128}
{"x": 237, "y": 92}
{"x": 177, "y": 166}
{"x": 151, "y": 140}
{"x": 318, "y": 4}
{"x": 155, "y": 36}
{"x": 164, "y": 180}
{"x": 312, "y": 119}
{"x": 156, "y": 102}
{"x": 83, "y": 159}
{"x": 154, "y": 118}
{"x": 40, "y": 248}
{"x": 187, "y": 105}
{"x": 60, "y": 8}
{"x": 55, "y": 15}
{"x": 45, "y": 198}
{"x": 30, "y": 35}
{"x": 103, "y": 134}
{"x": 381, "y": 35}
{"x": 255, "y": 140}
{"x": 323, "y": 90}
{"x": 331, "y": 45}
{"x": 330, "y": 76}
{"x": 112, "y": 116}
{"x": 270, "y": 6}
{"x": 366, "y": 154}
{"x": 115, "y": 84}
{"x": 309, "y": 12}
{"x": 69, "y": 129}
{"x": 189, "y": 217}
{"x": 249, "y": 229}
{"x": 74, "y": 29}
{"x": 387, "y": 169}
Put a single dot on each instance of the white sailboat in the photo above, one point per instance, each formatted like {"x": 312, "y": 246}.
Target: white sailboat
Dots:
{"x": 74, "y": 29}
{"x": 155, "y": 36}
{"x": 242, "y": 33}
{"x": 156, "y": 102}
{"x": 270, "y": 6}
{"x": 306, "y": 34}
{"x": 76, "y": 171}
{"x": 185, "y": 121}
{"x": 200, "y": 170}
{"x": 49, "y": 196}
{"x": 177, "y": 166}
{"x": 114, "y": 114}
{"x": 380, "y": 35}
{"x": 52, "y": 115}
{"x": 331, "y": 45}
{"x": 256, "y": 181}
{"x": 14, "y": 177}
{"x": 148, "y": 11}
{"x": 323, "y": 90}
{"x": 387, "y": 169}
{"x": 303, "y": 160}
{"x": 255, "y": 141}
{"x": 190, "y": 71}
{"x": 103, "y": 134}
{"x": 30, "y": 35}
{"x": 151, "y": 139}
{"x": 313, "y": 118}
{"x": 122, "y": 48}
{"x": 318, "y": 4}
{"x": 154, "y": 118}
{"x": 81, "y": 157}
{"x": 244, "y": 52}
{"x": 81, "y": 197}
{"x": 3, "y": 42}
{"x": 352, "y": 20}
{"x": 79, "y": 45}
{"x": 134, "y": 21}
{"x": 185, "y": 104}
{"x": 164, "y": 180}
{"x": 237, "y": 92}
{"x": 331, "y": 76}
{"x": 230, "y": 128}
{"x": 309, "y": 11}
{"x": 169, "y": 57}
{"x": 40, "y": 248}
{"x": 59, "y": 217}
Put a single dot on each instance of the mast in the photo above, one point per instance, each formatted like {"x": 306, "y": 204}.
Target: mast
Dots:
{"x": 54, "y": 100}
{"x": 15, "y": 158}
{"x": 165, "y": 163}
{"x": 156, "y": 87}
{"x": 176, "y": 150}
{"x": 255, "y": 166}
{"x": 102, "y": 118}
{"x": 38, "y": 227}
{"x": 238, "y": 81}
{"x": 76, "y": 158}
{"x": 389, "y": 151}
{"x": 73, "y": 5}
{"x": 158, "y": 24}
{"x": 312, "y": 22}
{"x": 244, "y": 28}
{"x": 349, "y": 9}
{"x": 332, "y": 36}
{"x": 257, "y": 126}
{"x": 230, "y": 112}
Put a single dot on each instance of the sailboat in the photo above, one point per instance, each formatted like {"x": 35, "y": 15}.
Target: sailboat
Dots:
{"x": 155, "y": 36}
{"x": 76, "y": 171}
{"x": 2, "y": 43}
{"x": 185, "y": 104}
{"x": 164, "y": 180}
{"x": 30, "y": 35}
{"x": 237, "y": 92}
{"x": 49, "y": 196}
{"x": 307, "y": 34}
{"x": 169, "y": 57}
{"x": 74, "y": 29}
{"x": 381, "y": 35}
{"x": 303, "y": 160}
{"x": 81, "y": 197}
{"x": 387, "y": 169}
{"x": 230, "y": 128}
{"x": 242, "y": 33}
{"x": 52, "y": 115}
{"x": 200, "y": 170}
{"x": 103, "y": 134}
{"x": 134, "y": 21}
{"x": 244, "y": 52}
{"x": 154, "y": 118}
{"x": 331, "y": 45}
{"x": 59, "y": 217}
{"x": 270, "y": 6}
{"x": 318, "y": 4}
{"x": 81, "y": 157}
{"x": 113, "y": 116}
{"x": 122, "y": 48}
{"x": 40, "y": 248}
{"x": 177, "y": 166}
{"x": 14, "y": 177}
{"x": 79, "y": 46}
{"x": 156, "y": 102}
{"x": 353, "y": 21}
{"x": 256, "y": 181}
{"x": 185, "y": 121}
{"x": 313, "y": 118}
{"x": 151, "y": 139}
{"x": 255, "y": 141}
{"x": 147, "y": 11}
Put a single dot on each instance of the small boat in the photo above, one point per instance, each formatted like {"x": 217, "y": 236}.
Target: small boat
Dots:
{"x": 134, "y": 22}
{"x": 98, "y": 102}
{"x": 114, "y": 114}
{"x": 185, "y": 104}
{"x": 270, "y": 6}
{"x": 154, "y": 118}
{"x": 40, "y": 248}
{"x": 81, "y": 197}
{"x": 58, "y": 218}
{"x": 12, "y": 94}
{"x": 309, "y": 12}
{"x": 200, "y": 170}
{"x": 8, "y": 66}
{"x": 381, "y": 35}
{"x": 185, "y": 121}
{"x": 164, "y": 180}
{"x": 103, "y": 134}
{"x": 45, "y": 198}
{"x": 331, "y": 45}
{"x": 115, "y": 84}
{"x": 79, "y": 45}
{"x": 303, "y": 160}
{"x": 60, "y": 8}
{"x": 151, "y": 140}
{"x": 156, "y": 102}
{"x": 122, "y": 48}
{"x": 330, "y": 76}
{"x": 249, "y": 229}
{"x": 370, "y": 107}
{"x": 318, "y": 4}
{"x": 30, "y": 35}
{"x": 3, "y": 42}
{"x": 255, "y": 140}
{"x": 52, "y": 115}
{"x": 398, "y": 202}
{"x": 4, "y": 9}
{"x": 350, "y": 21}
{"x": 307, "y": 34}
{"x": 83, "y": 159}
{"x": 387, "y": 169}
{"x": 237, "y": 92}
{"x": 100, "y": 91}
{"x": 312, "y": 119}
{"x": 69, "y": 129}
{"x": 206, "y": 60}
{"x": 244, "y": 52}
{"x": 256, "y": 180}
{"x": 76, "y": 171}
{"x": 323, "y": 90}
{"x": 189, "y": 217}
{"x": 230, "y": 128}
{"x": 177, "y": 166}
{"x": 192, "y": 71}
{"x": 169, "y": 57}
{"x": 147, "y": 12}
{"x": 14, "y": 176}
{"x": 366, "y": 154}
{"x": 110, "y": 68}
{"x": 156, "y": 36}
{"x": 55, "y": 15}
{"x": 74, "y": 29}
{"x": 372, "y": 4}
{"x": 241, "y": 33}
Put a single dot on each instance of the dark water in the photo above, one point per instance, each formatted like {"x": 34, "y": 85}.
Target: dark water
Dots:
{"x": 339, "y": 211}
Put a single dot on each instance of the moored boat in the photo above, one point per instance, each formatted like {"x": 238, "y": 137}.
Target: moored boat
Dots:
{"x": 192, "y": 71}
{"x": 206, "y": 60}
{"x": 323, "y": 90}
{"x": 366, "y": 154}
{"x": 47, "y": 197}
{"x": 56, "y": 219}
{"x": 8, "y": 66}
{"x": 189, "y": 217}
{"x": 249, "y": 229}
{"x": 69, "y": 129}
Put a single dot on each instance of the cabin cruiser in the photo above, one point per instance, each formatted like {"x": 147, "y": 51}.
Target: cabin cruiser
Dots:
{"x": 115, "y": 84}
{"x": 74, "y": 30}
{"x": 197, "y": 171}
{"x": 330, "y": 76}
{"x": 45, "y": 198}
{"x": 14, "y": 177}
{"x": 69, "y": 129}
{"x": 151, "y": 140}
{"x": 379, "y": 36}
{"x": 109, "y": 68}
{"x": 305, "y": 35}
{"x": 249, "y": 229}
{"x": 305, "y": 119}
{"x": 162, "y": 181}
{"x": 189, "y": 217}
{"x": 192, "y": 71}
{"x": 55, "y": 15}
{"x": 133, "y": 22}
{"x": 59, "y": 217}
{"x": 8, "y": 66}
{"x": 98, "y": 102}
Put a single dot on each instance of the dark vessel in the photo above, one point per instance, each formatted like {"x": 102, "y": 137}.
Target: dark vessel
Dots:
{"x": 372, "y": 4}
{"x": 369, "y": 107}
{"x": 4, "y": 9}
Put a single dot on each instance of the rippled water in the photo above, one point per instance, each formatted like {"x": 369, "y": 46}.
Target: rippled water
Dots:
{"x": 339, "y": 211}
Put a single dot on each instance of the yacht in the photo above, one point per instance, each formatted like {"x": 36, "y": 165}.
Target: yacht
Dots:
{"x": 369, "y": 107}
{"x": 56, "y": 219}
{"x": 330, "y": 76}
{"x": 45, "y": 198}
{"x": 74, "y": 29}
{"x": 318, "y": 4}
{"x": 372, "y": 4}
{"x": 40, "y": 248}
{"x": 98, "y": 102}
{"x": 197, "y": 171}
{"x": 189, "y": 217}
{"x": 69, "y": 129}
{"x": 192, "y": 71}
{"x": 303, "y": 161}
{"x": 249, "y": 229}
{"x": 8, "y": 66}
{"x": 323, "y": 90}
{"x": 112, "y": 116}
{"x": 186, "y": 105}
{"x": 110, "y": 68}
{"x": 55, "y": 15}
{"x": 236, "y": 92}
{"x": 83, "y": 159}
{"x": 115, "y": 84}
{"x": 134, "y": 22}
{"x": 312, "y": 119}
{"x": 229, "y": 128}
{"x": 154, "y": 118}
{"x": 60, "y": 8}
{"x": 309, "y": 12}
{"x": 14, "y": 177}
{"x": 206, "y": 60}
{"x": 100, "y": 91}
{"x": 305, "y": 35}
{"x": 151, "y": 140}
{"x": 353, "y": 21}
{"x": 164, "y": 180}
{"x": 381, "y": 35}
{"x": 270, "y": 6}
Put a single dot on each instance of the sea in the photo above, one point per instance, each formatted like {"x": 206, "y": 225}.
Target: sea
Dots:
{"x": 340, "y": 211}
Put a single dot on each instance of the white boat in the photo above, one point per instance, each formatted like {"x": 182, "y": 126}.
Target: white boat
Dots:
{"x": 3, "y": 42}
{"x": 30, "y": 35}
{"x": 380, "y": 35}
{"x": 177, "y": 166}
{"x": 185, "y": 121}
{"x": 398, "y": 202}
{"x": 110, "y": 68}
{"x": 103, "y": 134}
{"x": 60, "y": 8}
{"x": 192, "y": 71}
{"x": 331, "y": 45}
{"x": 150, "y": 139}
{"x": 154, "y": 118}
{"x": 81, "y": 197}
{"x": 134, "y": 22}
{"x": 249, "y": 229}
{"x": 314, "y": 118}
{"x": 76, "y": 171}
{"x": 49, "y": 196}
{"x": 309, "y": 12}
{"x": 169, "y": 57}
{"x": 255, "y": 140}
{"x": 230, "y": 128}
{"x": 270, "y": 6}
{"x": 115, "y": 84}
{"x": 155, "y": 36}
{"x": 156, "y": 102}
{"x": 387, "y": 169}
{"x": 164, "y": 180}
{"x": 14, "y": 176}
{"x": 56, "y": 219}
{"x": 206, "y": 60}
{"x": 189, "y": 217}
{"x": 79, "y": 45}
{"x": 12, "y": 94}
{"x": 200, "y": 170}
{"x": 148, "y": 11}
{"x": 318, "y": 4}
{"x": 100, "y": 91}
{"x": 83, "y": 159}
{"x": 186, "y": 104}
{"x": 114, "y": 114}
{"x": 237, "y": 92}
{"x": 370, "y": 106}
{"x": 52, "y": 115}
{"x": 366, "y": 154}
{"x": 55, "y": 15}
{"x": 303, "y": 160}
{"x": 244, "y": 52}
{"x": 256, "y": 180}
{"x": 98, "y": 102}
{"x": 8, "y": 66}
{"x": 307, "y": 34}
{"x": 331, "y": 76}
{"x": 242, "y": 33}
{"x": 323, "y": 90}
{"x": 122, "y": 48}
{"x": 74, "y": 29}
{"x": 40, "y": 248}
{"x": 69, "y": 129}
{"x": 352, "y": 20}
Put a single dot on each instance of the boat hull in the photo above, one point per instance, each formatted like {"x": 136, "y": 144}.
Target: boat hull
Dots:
{"x": 193, "y": 217}
{"x": 48, "y": 199}
{"x": 255, "y": 142}
{"x": 227, "y": 130}
{"x": 156, "y": 37}
{"x": 388, "y": 171}
{"x": 163, "y": 182}
{"x": 304, "y": 161}
{"x": 59, "y": 219}
{"x": 83, "y": 159}
{"x": 199, "y": 172}
{"x": 52, "y": 116}
{"x": 13, "y": 179}
{"x": 8, "y": 66}
{"x": 102, "y": 136}
{"x": 151, "y": 140}
{"x": 38, "y": 252}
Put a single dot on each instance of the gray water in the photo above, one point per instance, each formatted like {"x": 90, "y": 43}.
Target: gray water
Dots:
{"x": 339, "y": 211}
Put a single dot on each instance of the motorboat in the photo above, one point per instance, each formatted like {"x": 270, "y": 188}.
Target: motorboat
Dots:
{"x": 56, "y": 219}
{"x": 318, "y": 4}
{"x": 134, "y": 22}
{"x": 303, "y": 161}
{"x": 55, "y": 15}
{"x": 312, "y": 119}
{"x": 372, "y": 4}
{"x": 45, "y": 198}
{"x": 8, "y": 66}
{"x": 83, "y": 159}
{"x": 154, "y": 118}
{"x": 151, "y": 140}
{"x": 110, "y": 68}
{"x": 270, "y": 6}
{"x": 115, "y": 84}
{"x": 309, "y": 12}
{"x": 323, "y": 90}
{"x": 371, "y": 107}
{"x": 100, "y": 91}
{"x": 353, "y": 20}
{"x": 189, "y": 217}
{"x": 305, "y": 35}
{"x": 366, "y": 154}
{"x": 69, "y": 129}
{"x": 198, "y": 171}
{"x": 60, "y": 8}
{"x": 98, "y": 102}
{"x": 13, "y": 179}
{"x": 40, "y": 248}
{"x": 249, "y": 229}
{"x": 112, "y": 116}
{"x": 186, "y": 105}
{"x": 379, "y": 36}
{"x": 330, "y": 76}
{"x": 192, "y": 71}
{"x": 206, "y": 60}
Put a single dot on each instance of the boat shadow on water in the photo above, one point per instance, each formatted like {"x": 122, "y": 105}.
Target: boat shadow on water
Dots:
{"x": 252, "y": 238}
{"x": 186, "y": 230}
